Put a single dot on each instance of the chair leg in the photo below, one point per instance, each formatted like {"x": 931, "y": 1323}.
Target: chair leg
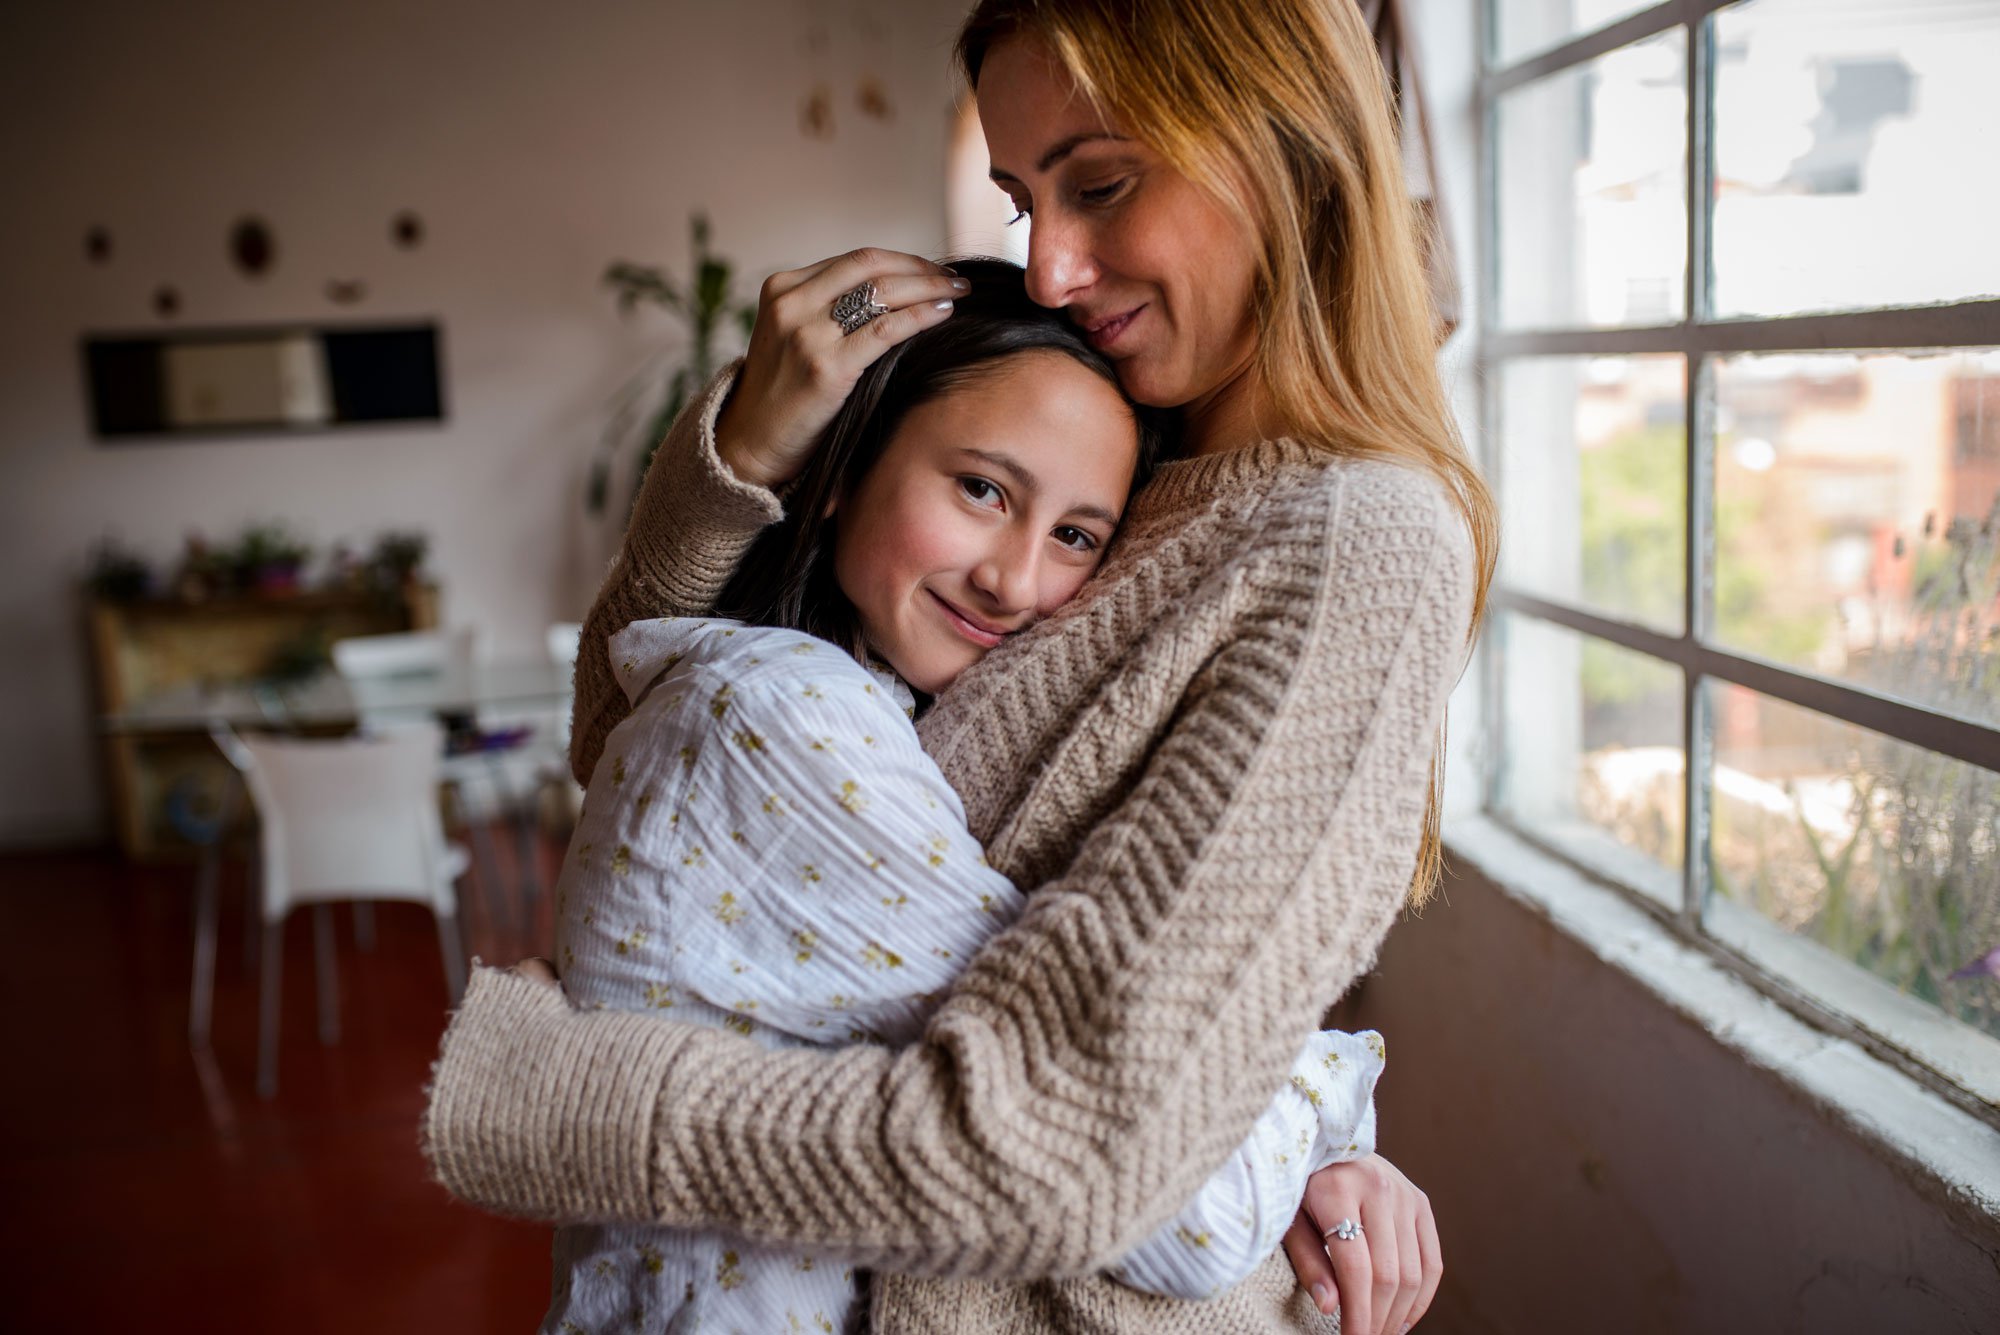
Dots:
{"x": 267, "y": 1009}
{"x": 253, "y": 906}
{"x": 364, "y": 926}
{"x": 525, "y": 829}
{"x": 208, "y": 917}
{"x": 324, "y": 975}
{"x": 454, "y": 956}
{"x": 207, "y": 911}
{"x": 493, "y": 897}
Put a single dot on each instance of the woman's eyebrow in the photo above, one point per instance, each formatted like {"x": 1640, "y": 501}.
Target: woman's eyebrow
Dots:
{"x": 1062, "y": 150}
{"x": 1031, "y": 484}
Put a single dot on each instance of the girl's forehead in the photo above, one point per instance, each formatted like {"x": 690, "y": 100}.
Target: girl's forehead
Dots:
{"x": 1063, "y": 424}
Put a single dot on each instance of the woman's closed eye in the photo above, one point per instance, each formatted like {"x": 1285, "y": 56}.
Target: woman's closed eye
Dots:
{"x": 1097, "y": 196}
{"x": 1091, "y": 197}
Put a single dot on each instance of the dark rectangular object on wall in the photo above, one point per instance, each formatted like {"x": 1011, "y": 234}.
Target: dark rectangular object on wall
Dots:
{"x": 383, "y": 375}
{"x": 263, "y": 381}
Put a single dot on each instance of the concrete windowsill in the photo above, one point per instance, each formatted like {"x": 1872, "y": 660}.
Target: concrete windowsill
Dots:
{"x": 1954, "y": 1155}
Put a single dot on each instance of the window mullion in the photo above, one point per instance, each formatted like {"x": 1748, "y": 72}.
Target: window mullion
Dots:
{"x": 1698, "y": 491}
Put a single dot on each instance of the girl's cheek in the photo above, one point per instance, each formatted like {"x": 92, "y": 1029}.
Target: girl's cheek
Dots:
{"x": 1064, "y": 585}
{"x": 931, "y": 537}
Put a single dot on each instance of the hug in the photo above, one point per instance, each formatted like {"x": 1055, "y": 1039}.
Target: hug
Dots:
{"x": 1011, "y": 723}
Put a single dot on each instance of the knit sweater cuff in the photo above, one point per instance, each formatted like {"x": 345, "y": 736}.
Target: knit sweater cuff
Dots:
{"x": 695, "y": 518}
{"x": 538, "y": 1114}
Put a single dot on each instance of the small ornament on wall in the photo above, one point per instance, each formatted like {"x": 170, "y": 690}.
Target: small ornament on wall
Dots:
{"x": 252, "y": 246}
{"x": 816, "y": 113}
{"x": 166, "y": 301}
{"x": 873, "y": 99}
{"x": 407, "y": 229}
{"x": 97, "y": 245}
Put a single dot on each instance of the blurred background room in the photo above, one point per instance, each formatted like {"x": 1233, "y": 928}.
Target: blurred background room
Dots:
{"x": 333, "y": 342}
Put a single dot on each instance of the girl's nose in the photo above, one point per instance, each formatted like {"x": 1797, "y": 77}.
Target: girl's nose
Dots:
{"x": 1059, "y": 263}
{"x": 1007, "y": 575}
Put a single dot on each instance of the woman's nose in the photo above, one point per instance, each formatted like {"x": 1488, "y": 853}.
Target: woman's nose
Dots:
{"x": 1059, "y": 263}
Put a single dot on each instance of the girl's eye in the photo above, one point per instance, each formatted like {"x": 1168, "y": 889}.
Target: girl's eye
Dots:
{"x": 979, "y": 491}
{"x": 1075, "y": 539}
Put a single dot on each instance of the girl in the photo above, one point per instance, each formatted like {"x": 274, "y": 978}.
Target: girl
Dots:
{"x": 766, "y": 848}
{"x": 1211, "y": 771}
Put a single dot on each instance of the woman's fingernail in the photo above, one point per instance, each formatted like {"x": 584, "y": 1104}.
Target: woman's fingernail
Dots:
{"x": 960, "y": 285}
{"x": 1322, "y": 1295}
{"x": 944, "y": 305}
{"x": 1406, "y": 1329}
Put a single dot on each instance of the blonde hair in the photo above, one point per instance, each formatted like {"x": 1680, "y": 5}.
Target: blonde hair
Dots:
{"x": 1280, "y": 110}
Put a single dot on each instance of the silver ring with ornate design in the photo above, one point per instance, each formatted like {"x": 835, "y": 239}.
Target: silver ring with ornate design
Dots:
{"x": 857, "y": 308}
{"x": 1347, "y": 1230}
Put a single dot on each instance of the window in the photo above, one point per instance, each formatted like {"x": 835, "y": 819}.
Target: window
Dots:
{"x": 1741, "y": 337}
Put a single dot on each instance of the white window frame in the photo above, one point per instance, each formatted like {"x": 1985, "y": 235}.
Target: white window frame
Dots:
{"x": 1942, "y": 1054}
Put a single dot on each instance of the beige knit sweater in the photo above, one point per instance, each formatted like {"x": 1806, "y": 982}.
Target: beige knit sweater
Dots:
{"x": 1210, "y": 768}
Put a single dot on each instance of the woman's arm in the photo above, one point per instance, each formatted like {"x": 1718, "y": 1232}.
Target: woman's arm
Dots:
{"x": 1098, "y": 1059}
{"x": 700, "y": 510}
{"x": 692, "y": 524}
{"x": 1324, "y": 1115}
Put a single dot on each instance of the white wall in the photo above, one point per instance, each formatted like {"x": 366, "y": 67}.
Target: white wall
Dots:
{"x": 537, "y": 142}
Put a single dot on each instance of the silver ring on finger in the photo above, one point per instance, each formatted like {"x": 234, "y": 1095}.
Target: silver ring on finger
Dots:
{"x": 856, "y": 308}
{"x": 1347, "y": 1230}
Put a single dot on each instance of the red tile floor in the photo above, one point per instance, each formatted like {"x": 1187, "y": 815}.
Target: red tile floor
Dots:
{"x": 144, "y": 1187}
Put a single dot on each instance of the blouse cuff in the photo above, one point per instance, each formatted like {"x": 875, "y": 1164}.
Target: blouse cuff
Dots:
{"x": 1337, "y": 1072}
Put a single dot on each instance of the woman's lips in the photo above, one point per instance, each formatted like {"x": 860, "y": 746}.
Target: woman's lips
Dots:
{"x": 977, "y": 631}
{"x": 1105, "y": 334}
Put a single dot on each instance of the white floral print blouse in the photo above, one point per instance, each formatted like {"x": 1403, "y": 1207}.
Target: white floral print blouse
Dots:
{"x": 766, "y": 848}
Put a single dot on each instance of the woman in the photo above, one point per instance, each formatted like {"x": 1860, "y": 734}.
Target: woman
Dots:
{"x": 1213, "y": 765}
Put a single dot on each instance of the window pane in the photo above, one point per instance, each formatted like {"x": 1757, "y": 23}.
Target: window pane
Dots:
{"x": 1884, "y": 854}
{"x": 1592, "y": 479}
{"x": 1855, "y": 521}
{"x": 1854, "y": 152}
{"x": 1591, "y": 746}
{"x": 1523, "y": 28}
{"x": 1592, "y": 191}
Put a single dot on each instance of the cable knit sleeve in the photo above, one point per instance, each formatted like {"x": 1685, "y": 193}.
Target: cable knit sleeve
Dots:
{"x": 1102, "y": 1056}
{"x": 692, "y": 524}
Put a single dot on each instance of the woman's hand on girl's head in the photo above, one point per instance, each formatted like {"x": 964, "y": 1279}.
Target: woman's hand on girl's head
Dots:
{"x": 801, "y": 364}
{"x": 1383, "y": 1277}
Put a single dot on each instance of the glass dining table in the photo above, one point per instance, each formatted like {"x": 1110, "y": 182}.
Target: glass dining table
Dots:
{"x": 497, "y": 687}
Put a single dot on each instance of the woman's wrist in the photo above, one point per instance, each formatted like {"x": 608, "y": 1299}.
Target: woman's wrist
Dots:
{"x": 742, "y": 462}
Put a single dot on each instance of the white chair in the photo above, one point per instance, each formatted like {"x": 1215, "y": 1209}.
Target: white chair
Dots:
{"x": 368, "y": 661}
{"x": 349, "y": 818}
{"x": 480, "y": 783}
{"x": 565, "y": 639}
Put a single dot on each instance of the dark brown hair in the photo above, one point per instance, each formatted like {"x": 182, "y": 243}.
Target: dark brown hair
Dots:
{"x": 787, "y": 577}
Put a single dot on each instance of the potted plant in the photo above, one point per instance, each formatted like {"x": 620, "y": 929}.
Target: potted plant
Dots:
{"x": 267, "y": 560}
{"x": 706, "y": 306}
{"x": 398, "y": 556}
{"x": 116, "y": 575}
